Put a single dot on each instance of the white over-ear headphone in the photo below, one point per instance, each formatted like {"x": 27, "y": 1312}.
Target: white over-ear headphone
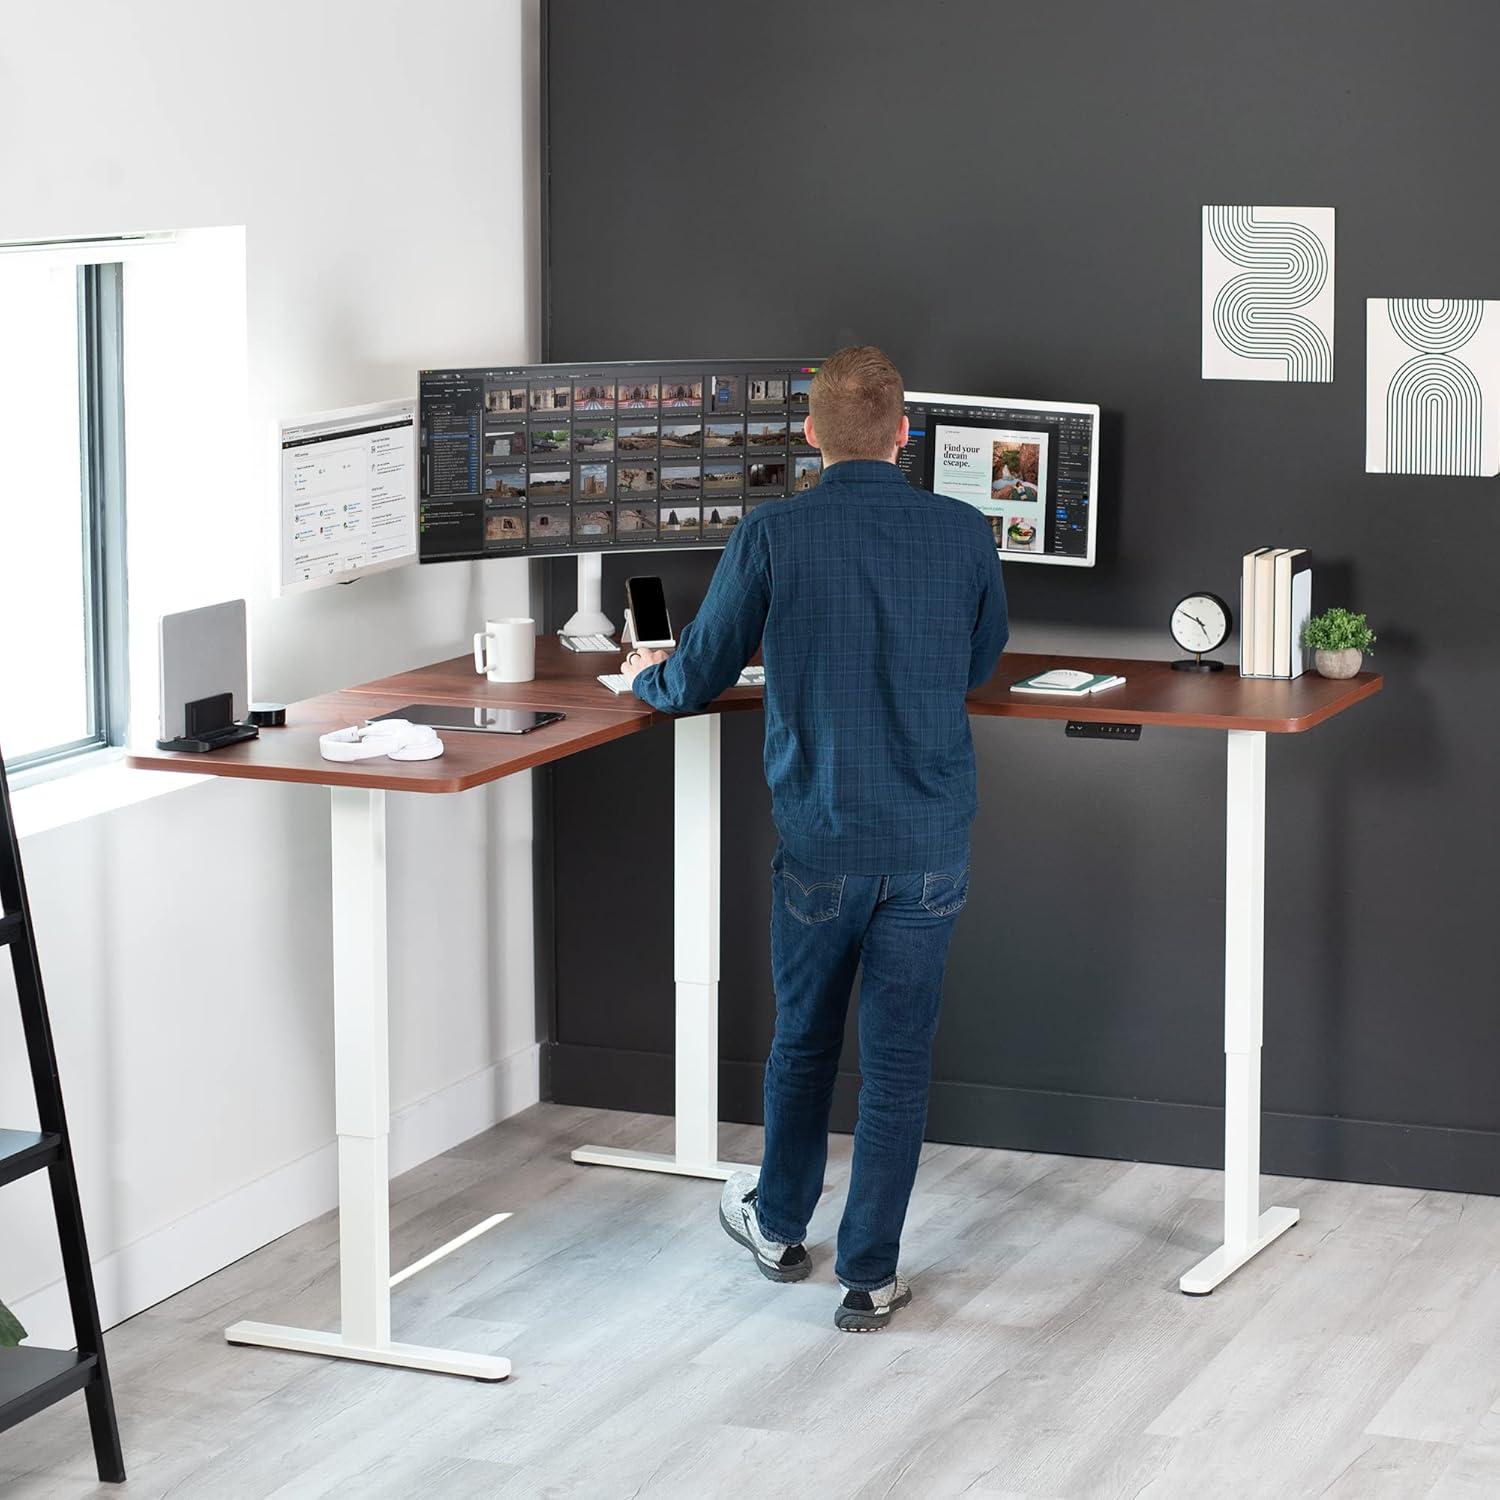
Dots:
{"x": 397, "y": 738}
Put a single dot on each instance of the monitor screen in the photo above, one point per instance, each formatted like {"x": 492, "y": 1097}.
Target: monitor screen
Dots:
{"x": 348, "y": 505}
{"x": 1032, "y": 467}
{"x": 518, "y": 460}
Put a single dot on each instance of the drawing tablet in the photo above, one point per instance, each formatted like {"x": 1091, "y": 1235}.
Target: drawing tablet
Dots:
{"x": 478, "y": 719}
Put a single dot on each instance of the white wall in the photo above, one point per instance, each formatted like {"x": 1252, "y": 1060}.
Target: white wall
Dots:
{"x": 378, "y": 154}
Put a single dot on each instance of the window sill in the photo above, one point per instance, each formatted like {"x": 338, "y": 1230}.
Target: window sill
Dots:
{"x": 86, "y": 786}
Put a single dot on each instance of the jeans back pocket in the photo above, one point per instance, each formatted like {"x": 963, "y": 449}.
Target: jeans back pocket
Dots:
{"x": 809, "y": 895}
{"x": 945, "y": 891}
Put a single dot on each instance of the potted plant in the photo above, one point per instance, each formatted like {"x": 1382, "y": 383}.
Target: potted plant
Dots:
{"x": 11, "y": 1332}
{"x": 1339, "y": 638}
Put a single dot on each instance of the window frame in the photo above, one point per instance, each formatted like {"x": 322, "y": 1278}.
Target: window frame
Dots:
{"x": 101, "y": 402}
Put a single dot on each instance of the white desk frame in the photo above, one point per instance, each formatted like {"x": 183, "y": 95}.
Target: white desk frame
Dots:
{"x": 1247, "y": 1230}
{"x": 361, "y": 1040}
{"x": 362, "y": 1060}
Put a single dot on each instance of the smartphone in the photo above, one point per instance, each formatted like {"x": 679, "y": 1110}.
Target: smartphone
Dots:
{"x": 648, "y": 612}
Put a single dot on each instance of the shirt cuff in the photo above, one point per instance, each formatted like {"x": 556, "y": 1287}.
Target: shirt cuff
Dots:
{"x": 646, "y": 686}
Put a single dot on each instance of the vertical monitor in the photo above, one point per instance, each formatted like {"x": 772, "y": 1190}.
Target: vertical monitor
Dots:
{"x": 1032, "y": 468}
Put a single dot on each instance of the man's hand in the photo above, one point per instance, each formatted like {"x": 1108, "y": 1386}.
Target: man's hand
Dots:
{"x": 638, "y": 661}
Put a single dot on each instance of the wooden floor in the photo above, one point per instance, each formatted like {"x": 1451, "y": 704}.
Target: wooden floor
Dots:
{"x": 1047, "y": 1354}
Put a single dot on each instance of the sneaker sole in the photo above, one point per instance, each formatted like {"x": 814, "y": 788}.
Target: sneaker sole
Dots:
{"x": 851, "y": 1320}
{"x": 771, "y": 1273}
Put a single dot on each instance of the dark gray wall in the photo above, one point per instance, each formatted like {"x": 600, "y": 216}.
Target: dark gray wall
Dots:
{"x": 1006, "y": 197}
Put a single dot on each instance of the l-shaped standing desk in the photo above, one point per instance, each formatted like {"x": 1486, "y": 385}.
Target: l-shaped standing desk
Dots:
{"x": 1244, "y": 710}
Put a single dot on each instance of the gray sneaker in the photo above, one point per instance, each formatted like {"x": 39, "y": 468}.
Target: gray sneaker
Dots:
{"x": 869, "y": 1312}
{"x": 775, "y": 1261}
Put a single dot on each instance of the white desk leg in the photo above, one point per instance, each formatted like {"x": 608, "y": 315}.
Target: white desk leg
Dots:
{"x": 1247, "y": 1230}
{"x": 361, "y": 1040}
{"x": 695, "y": 945}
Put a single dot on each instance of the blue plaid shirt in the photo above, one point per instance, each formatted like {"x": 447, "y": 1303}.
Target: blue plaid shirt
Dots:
{"x": 877, "y": 607}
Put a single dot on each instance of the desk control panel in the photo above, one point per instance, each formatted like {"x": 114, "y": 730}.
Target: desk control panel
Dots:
{"x": 1078, "y": 730}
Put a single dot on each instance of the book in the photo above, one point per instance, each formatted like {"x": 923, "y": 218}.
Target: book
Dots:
{"x": 1293, "y": 606}
{"x": 1263, "y": 647}
{"x": 1247, "y": 611}
{"x": 1067, "y": 681}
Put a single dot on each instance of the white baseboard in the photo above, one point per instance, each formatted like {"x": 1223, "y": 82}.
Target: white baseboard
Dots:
{"x": 141, "y": 1274}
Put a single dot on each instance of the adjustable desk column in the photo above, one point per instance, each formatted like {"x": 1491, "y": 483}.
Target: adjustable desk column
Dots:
{"x": 695, "y": 963}
{"x": 1247, "y": 1230}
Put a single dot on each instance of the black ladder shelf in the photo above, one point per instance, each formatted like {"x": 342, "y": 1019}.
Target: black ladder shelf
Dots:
{"x": 32, "y": 1379}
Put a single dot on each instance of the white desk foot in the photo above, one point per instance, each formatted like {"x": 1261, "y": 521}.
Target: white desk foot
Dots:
{"x": 656, "y": 1161}
{"x": 1224, "y": 1262}
{"x": 335, "y": 1346}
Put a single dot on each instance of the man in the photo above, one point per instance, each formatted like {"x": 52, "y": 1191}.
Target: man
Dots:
{"x": 876, "y": 607}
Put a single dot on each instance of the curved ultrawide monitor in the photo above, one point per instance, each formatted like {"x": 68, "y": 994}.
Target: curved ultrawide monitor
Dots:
{"x": 1032, "y": 467}
{"x": 547, "y": 460}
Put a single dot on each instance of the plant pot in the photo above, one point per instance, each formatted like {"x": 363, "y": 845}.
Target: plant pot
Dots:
{"x": 1343, "y": 663}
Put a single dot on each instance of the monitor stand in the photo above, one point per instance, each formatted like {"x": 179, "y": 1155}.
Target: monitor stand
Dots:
{"x": 589, "y": 618}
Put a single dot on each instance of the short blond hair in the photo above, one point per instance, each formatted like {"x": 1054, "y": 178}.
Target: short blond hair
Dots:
{"x": 856, "y": 403}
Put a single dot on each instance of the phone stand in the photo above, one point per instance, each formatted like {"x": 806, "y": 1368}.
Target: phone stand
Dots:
{"x": 627, "y": 635}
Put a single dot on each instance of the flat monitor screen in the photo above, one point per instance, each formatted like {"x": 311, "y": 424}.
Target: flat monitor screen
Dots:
{"x": 1032, "y": 467}
{"x": 540, "y": 460}
{"x": 348, "y": 494}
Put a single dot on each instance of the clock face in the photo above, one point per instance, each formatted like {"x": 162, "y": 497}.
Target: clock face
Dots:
{"x": 1201, "y": 623}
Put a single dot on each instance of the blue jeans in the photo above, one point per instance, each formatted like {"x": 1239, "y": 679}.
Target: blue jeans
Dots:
{"x": 824, "y": 927}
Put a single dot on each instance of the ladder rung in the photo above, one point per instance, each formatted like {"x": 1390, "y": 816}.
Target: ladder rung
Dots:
{"x": 23, "y": 1151}
{"x": 32, "y": 1378}
{"x": 10, "y": 927}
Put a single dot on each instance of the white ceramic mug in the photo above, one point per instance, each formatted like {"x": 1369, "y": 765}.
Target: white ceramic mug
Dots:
{"x": 505, "y": 650}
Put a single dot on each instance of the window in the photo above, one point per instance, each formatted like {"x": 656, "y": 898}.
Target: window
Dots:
{"x": 63, "y": 674}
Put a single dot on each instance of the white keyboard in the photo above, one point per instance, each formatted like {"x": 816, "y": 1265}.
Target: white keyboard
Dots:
{"x": 750, "y": 677}
{"x": 589, "y": 643}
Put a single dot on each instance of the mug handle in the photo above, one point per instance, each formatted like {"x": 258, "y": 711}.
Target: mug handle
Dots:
{"x": 481, "y": 642}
